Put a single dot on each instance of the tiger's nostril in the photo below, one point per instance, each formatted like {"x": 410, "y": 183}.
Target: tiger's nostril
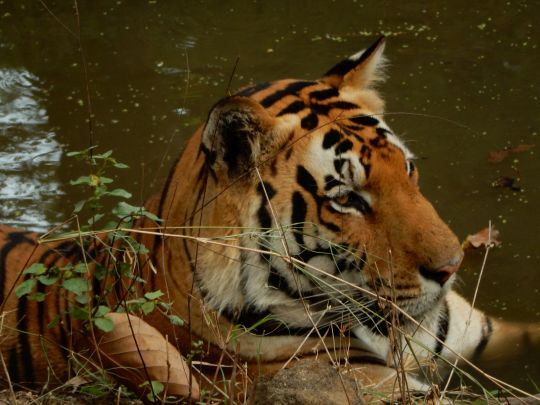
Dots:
{"x": 441, "y": 274}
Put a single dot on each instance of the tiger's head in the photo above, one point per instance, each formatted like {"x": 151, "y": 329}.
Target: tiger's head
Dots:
{"x": 326, "y": 199}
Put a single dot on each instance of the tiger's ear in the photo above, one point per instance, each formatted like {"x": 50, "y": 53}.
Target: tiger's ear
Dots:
{"x": 359, "y": 70}
{"x": 238, "y": 135}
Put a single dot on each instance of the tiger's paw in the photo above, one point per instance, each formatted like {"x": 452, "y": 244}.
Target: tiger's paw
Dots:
{"x": 138, "y": 355}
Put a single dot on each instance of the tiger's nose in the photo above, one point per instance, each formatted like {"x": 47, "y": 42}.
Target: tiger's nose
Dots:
{"x": 443, "y": 273}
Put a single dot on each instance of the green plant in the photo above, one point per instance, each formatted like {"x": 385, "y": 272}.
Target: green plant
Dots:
{"x": 105, "y": 275}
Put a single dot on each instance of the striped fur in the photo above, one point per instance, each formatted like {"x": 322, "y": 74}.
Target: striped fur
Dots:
{"x": 295, "y": 213}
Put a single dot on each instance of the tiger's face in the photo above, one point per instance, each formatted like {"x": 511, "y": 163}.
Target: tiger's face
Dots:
{"x": 332, "y": 197}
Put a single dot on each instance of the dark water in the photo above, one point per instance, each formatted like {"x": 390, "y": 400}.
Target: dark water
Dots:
{"x": 463, "y": 81}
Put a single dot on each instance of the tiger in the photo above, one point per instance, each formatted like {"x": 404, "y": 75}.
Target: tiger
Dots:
{"x": 293, "y": 217}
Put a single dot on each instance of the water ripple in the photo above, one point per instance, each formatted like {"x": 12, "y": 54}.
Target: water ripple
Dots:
{"x": 29, "y": 153}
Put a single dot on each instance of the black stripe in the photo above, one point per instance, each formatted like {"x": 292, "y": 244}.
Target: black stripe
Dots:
{"x": 347, "y": 65}
{"x": 331, "y": 182}
{"x": 293, "y": 108}
{"x": 65, "y": 343}
{"x": 321, "y": 95}
{"x": 165, "y": 188}
{"x": 338, "y": 164}
{"x": 308, "y": 182}
{"x": 378, "y": 142}
{"x": 343, "y": 105}
{"x": 320, "y": 109}
{"x": 358, "y": 202}
{"x": 277, "y": 281}
{"x": 298, "y": 217}
{"x": 291, "y": 89}
{"x": 13, "y": 365}
{"x": 22, "y": 329}
{"x": 249, "y": 91}
{"x": 365, "y": 152}
{"x": 344, "y": 147}
{"x": 442, "y": 329}
{"x": 188, "y": 255}
{"x": 22, "y": 316}
{"x": 310, "y": 121}
{"x": 263, "y": 214}
{"x": 358, "y": 138}
{"x": 14, "y": 239}
{"x": 376, "y": 322}
{"x": 306, "y": 255}
{"x": 365, "y": 120}
{"x": 40, "y": 305}
{"x": 331, "y": 138}
{"x": 350, "y": 129}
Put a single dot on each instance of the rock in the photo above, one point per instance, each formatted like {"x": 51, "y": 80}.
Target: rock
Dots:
{"x": 307, "y": 383}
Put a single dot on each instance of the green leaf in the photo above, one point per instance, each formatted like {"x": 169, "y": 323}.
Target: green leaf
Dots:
{"x": 113, "y": 234}
{"x": 82, "y": 299}
{"x": 78, "y": 206}
{"x": 25, "y": 287}
{"x": 119, "y": 192}
{"x": 103, "y": 155}
{"x": 79, "y": 153}
{"x": 148, "y": 307}
{"x": 36, "y": 268}
{"x": 176, "y": 320}
{"x": 95, "y": 218}
{"x": 101, "y": 311}
{"x": 105, "y": 180}
{"x": 151, "y": 216}
{"x": 104, "y": 323}
{"x": 138, "y": 248}
{"x": 80, "y": 268}
{"x": 165, "y": 305}
{"x": 119, "y": 165}
{"x": 37, "y": 296}
{"x": 48, "y": 279}
{"x": 100, "y": 272}
{"x": 123, "y": 209}
{"x": 95, "y": 204}
{"x": 97, "y": 391}
{"x": 54, "y": 321}
{"x": 76, "y": 285}
{"x": 81, "y": 180}
{"x": 156, "y": 388}
{"x": 79, "y": 313}
{"x": 154, "y": 295}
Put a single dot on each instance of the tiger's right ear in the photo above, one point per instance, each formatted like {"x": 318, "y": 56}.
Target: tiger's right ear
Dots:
{"x": 238, "y": 135}
{"x": 360, "y": 70}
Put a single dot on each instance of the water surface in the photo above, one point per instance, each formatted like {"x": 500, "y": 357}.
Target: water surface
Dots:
{"x": 463, "y": 81}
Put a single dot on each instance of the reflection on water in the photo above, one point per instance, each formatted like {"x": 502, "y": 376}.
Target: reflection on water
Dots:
{"x": 29, "y": 153}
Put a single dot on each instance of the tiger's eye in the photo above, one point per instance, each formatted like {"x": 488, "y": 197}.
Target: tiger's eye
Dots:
{"x": 343, "y": 199}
